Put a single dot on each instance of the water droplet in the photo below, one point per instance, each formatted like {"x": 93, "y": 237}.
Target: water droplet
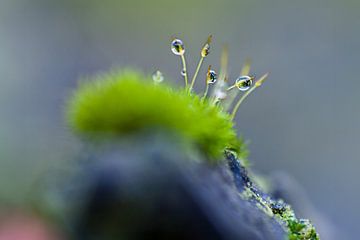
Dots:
{"x": 183, "y": 72}
{"x": 243, "y": 83}
{"x": 158, "y": 76}
{"x": 177, "y": 47}
{"x": 211, "y": 76}
{"x": 278, "y": 207}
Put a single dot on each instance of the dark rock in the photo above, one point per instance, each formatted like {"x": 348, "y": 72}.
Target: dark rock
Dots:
{"x": 155, "y": 193}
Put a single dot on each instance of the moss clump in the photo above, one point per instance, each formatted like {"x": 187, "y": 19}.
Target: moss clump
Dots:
{"x": 121, "y": 103}
{"x": 301, "y": 230}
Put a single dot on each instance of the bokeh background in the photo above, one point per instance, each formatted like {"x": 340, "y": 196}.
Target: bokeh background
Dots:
{"x": 304, "y": 120}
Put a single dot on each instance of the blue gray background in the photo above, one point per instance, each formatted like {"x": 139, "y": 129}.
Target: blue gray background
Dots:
{"x": 304, "y": 120}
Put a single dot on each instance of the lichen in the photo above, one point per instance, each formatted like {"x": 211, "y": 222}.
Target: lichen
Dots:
{"x": 297, "y": 229}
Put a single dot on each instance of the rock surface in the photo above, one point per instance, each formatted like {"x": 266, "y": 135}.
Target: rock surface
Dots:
{"x": 155, "y": 193}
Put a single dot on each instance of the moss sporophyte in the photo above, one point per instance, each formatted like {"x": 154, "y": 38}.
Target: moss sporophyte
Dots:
{"x": 120, "y": 103}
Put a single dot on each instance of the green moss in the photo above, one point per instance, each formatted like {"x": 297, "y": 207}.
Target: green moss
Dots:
{"x": 301, "y": 229}
{"x": 121, "y": 103}
{"x": 295, "y": 226}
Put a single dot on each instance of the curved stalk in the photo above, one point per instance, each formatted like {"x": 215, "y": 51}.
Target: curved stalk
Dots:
{"x": 184, "y": 68}
{"x": 243, "y": 97}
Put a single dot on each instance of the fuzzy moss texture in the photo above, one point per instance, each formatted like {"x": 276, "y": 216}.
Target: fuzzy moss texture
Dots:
{"x": 118, "y": 104}
{"x": 121, "y": 103}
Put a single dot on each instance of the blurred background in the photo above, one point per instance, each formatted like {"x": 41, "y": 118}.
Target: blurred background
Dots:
{"x": 304, "y": 120}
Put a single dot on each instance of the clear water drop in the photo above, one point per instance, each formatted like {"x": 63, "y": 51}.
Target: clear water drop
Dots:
{"x": 243, "y": 83}
{"x": 177, "y": 47}
{"x": 157, "y": 76}
{"x": 183, "y": 72}
{"x": 211, "y": 77}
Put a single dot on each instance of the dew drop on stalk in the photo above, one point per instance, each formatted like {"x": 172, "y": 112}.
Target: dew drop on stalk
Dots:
{"x": 157, "y": 76}
{"x": 243, "y": 83}
{"x": 177, "y": 47}
{"x": 183, "y": 72}
{"x": 211, "y": 76}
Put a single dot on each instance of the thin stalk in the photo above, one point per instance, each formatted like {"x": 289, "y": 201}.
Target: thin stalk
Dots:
{"x": 243, "y": 97}
{"x": 206, "y": 92}
{"x": 231, "y": 87}
{"x": 196, "y": 73}
{"x": 245, "y": 70}
{"x": 184, "y": 68}
{"x": 224, "y": 62}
